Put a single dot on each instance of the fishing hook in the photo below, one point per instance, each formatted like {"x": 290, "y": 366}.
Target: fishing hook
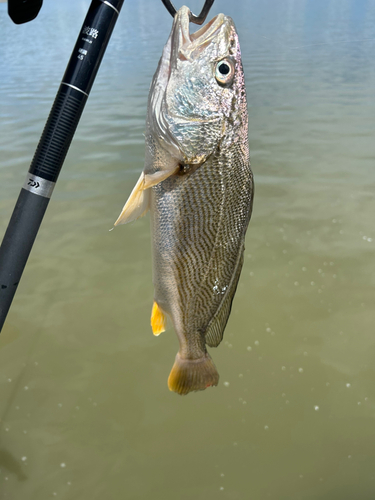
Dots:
{"x": 193, "y": 18}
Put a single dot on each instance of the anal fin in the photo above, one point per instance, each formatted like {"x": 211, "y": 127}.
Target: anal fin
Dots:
{"x": 215, "y": 329}
{"x": 158, "y": 320}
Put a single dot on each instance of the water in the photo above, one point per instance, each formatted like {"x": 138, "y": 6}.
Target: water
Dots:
{"x": 85, "y": 409}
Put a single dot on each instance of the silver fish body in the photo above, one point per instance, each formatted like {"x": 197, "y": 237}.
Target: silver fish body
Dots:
{"x": 198, "y": 185}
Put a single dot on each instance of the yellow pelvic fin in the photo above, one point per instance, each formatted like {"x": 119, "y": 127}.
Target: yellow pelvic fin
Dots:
{"x": 158, "y": 320}
{"x": 189, "y": 375}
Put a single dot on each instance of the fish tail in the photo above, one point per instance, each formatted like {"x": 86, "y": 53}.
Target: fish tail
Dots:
{"x": 192, "y": 374}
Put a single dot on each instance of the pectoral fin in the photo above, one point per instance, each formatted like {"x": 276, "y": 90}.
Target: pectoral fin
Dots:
{"x": 138, "y": 202}
{"x": 137, "y": 205}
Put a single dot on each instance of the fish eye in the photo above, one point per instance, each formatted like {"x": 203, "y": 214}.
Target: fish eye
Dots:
{"x": 224, "y": 72}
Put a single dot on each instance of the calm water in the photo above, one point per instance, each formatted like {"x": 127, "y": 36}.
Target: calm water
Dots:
{"x": 85, "y": 409}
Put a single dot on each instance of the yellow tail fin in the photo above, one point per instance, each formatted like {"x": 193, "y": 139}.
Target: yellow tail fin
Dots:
{"x": 192, "y": 374}
{"x": 158, "y": 320}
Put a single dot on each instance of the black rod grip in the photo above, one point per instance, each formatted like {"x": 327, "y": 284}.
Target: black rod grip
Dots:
{"x": 58, "y": 133}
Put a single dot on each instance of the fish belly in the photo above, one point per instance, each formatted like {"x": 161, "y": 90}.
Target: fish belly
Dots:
{"x": 199, "y": 221}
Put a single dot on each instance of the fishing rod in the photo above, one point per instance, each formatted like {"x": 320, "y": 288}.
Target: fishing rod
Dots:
{"x": 56, "y": 138}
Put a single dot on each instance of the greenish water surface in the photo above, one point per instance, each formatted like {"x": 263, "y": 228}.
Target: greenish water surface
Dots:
{"x": 85, "y": 409}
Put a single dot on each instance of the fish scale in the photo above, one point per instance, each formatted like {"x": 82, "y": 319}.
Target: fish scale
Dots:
{"x": 207, "y": 216}
{"x": 197, "y": 184}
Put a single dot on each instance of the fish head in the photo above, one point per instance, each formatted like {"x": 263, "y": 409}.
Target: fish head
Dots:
{"x": 197, "y": 97}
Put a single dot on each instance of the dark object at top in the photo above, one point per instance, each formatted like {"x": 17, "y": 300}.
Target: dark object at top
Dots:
{"x": 23, "y": 11}
{"x": 193, "y": 18}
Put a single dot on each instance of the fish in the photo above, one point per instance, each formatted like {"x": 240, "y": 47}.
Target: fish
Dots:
{"x": 197, "y": 185}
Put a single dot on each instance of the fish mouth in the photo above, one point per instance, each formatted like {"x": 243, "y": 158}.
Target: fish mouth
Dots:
{"x": 187, "y": 44}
